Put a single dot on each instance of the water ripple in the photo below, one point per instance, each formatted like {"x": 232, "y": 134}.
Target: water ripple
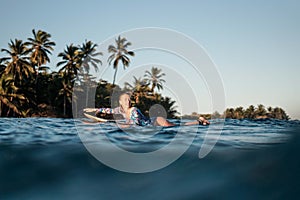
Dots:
{"x": 236, "y": 133}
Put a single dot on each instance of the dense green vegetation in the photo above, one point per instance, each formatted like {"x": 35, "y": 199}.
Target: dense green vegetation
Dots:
{"x": 28, "y": 88}
{"x": 252, "y": 112}
{"x": 259, "y": 112}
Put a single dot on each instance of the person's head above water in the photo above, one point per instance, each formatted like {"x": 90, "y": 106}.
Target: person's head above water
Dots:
{"x": 124, "y": 101}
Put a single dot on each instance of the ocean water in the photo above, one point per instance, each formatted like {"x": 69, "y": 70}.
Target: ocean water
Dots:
{"x": 45, "y": 158}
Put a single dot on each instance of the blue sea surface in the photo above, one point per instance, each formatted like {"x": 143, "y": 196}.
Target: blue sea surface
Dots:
{"x": 45, "y": 158}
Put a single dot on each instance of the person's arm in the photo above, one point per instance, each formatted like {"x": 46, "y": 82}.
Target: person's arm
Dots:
{"x": 105, "y": 111}
{"x": 100, "y": 110}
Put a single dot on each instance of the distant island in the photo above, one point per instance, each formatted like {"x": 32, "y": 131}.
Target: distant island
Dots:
{"x": 252, "y": 112}
{"x": 29, "y": 89}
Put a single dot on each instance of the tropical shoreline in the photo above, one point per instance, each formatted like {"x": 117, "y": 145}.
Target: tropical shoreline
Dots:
{"x": 252, "y": 112}
{"x": 29, "y": 89}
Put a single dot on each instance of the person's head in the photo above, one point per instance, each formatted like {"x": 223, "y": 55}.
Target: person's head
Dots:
{"x": 124, "y": 101}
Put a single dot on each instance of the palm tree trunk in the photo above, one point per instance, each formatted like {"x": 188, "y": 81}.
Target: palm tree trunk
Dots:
{"x": 115, "y": 75}
{"x": 36, "y": 84}
{"x": 7, "y": 113}
{"x": 152, "y": 88}
{"x": 65, "y": 105}
{"x": 76, "y": 108}
{"x": 86, "y": 99}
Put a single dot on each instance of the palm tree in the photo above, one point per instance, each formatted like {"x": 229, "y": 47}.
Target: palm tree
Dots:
{"x": 250, "y": 112}
{"x": 17, "y": 63}
{"x": 169, "y": 106}
{"x": 155, "y": 78}
{"x": 2, "y": 66}
{"x": 71, "y": 60}
{"x": 270, "y": 113}
{"x": 40, "y": 47}
{"x": 87, "y": 83}
{"x": 138, "y": 85}
{"x": 88, "y": 54}
{"x": 8, "y": 95}
{"x": 138, "y": 88}
{"x": 260, "y": 111}
{"x": 279, "y": 113}
{"x": 239, "y": 112}
{"x": 229, "y": 113}
{"x": 119, "y": 53}
{"x": 66, "y": 92}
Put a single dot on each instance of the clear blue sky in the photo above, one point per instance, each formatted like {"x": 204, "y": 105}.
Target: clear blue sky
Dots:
{"x": 255, "y": 44}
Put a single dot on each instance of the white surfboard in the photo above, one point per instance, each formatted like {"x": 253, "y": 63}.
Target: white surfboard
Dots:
{"x": 98, "y": 119}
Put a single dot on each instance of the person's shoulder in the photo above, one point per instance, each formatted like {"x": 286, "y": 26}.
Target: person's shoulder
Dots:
{"x": 117, "y": 110}
{"x": 134, "y": 109}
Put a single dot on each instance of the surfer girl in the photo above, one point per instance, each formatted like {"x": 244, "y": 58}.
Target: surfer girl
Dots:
{"x": 134, "y": 116}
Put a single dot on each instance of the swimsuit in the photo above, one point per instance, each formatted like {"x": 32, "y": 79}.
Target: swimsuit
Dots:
{"x": 136, "y": 116}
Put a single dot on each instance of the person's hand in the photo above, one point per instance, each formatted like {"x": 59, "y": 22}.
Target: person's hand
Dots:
{"x": 90, "y": 110}
{"x": 203, "y": 121}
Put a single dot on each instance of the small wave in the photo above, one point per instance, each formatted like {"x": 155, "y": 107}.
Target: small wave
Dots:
{"x": 55, "y": 130}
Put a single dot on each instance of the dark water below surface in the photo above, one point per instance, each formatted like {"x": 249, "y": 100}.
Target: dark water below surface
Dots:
{"x": 44, "y": 158}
